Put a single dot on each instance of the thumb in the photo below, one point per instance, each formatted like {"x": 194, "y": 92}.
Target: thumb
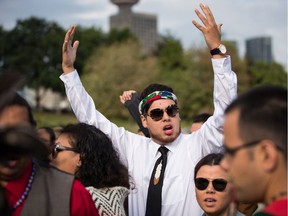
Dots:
{"x": 219, "y": 26}
{"x": 75, "y": 45}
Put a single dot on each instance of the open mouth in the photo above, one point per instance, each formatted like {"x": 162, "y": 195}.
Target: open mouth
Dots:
{"x": 210, "y": 202}
{"x": 168, "y": 129}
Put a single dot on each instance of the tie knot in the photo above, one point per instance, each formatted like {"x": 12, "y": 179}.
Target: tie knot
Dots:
{"x": 163, "y": 150}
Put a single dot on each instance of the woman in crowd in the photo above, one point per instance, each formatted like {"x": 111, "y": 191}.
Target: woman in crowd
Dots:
{"x": 213, "y": 191}
{"x": 86, "y": 152}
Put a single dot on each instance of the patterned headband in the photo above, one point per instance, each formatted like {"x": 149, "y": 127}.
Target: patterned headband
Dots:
{"x": 156, "y": 95}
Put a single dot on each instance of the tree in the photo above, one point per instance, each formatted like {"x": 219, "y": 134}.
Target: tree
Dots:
{"x": 33, "y": 48}
{"x": 119, "y": 36}
{"x": 268, "y": 73}
{"x": 113, "y": 69}
{"x": 2, "y": 37}
{"x": 170, "y": 52}
{"x": 90, "y": 39}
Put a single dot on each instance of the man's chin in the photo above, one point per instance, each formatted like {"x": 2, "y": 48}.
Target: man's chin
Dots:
{"x": 164, "y": 140}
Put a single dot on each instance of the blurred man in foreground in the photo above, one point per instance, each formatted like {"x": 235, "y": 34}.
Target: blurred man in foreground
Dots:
{"x": 255, "y": 139}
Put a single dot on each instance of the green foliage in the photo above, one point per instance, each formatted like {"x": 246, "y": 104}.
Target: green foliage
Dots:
{"x": 114, "y": 69}
{"x": 110, "y": 63}
{"x": 119, "y": 36}
{"x": 90, "y": 39}
{"x": 264, "y": 73}
{"x": 170, "y": 53}
{"x": 33, "y": 47}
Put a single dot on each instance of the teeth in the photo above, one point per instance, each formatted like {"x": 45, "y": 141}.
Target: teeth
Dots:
{"x": 210, "y": 200}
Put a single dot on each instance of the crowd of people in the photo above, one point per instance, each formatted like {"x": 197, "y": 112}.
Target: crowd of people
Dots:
{"x": 232, "y": 160}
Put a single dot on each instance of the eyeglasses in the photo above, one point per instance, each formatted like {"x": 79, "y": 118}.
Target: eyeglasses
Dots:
{"x": 157, "y": 114}
{"x": 232, "y": 151}
{"x": 218, "y": 184}
{"x": 57, "y": 148}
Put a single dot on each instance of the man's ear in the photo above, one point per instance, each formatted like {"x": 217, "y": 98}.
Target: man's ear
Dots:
{"x": 269, "y": 155}
{"x": 144, "y": 121}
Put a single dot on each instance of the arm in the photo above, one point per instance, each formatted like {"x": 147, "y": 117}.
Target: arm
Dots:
{"x": 131, "y": 100}
{"x": 225, "y": 83}
{"x": 83, "y": 105}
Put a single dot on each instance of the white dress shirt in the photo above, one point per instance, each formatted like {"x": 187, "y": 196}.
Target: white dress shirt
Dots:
{"x": 139, "y": 153}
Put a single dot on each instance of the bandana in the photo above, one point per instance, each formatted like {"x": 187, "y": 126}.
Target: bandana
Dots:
{"x": 156, "y": 95}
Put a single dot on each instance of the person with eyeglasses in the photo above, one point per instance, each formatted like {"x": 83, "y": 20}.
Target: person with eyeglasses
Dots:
{"x": 160, "y": 165}
{"x": 212, "y": 187}
{"x": 86, "y": 152}
{"x": 255, "y": 143}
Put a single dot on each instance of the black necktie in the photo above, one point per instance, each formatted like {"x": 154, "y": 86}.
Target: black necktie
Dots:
{"x": 154, "y": 198}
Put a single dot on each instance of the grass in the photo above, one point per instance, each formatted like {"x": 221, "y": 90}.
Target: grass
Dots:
{"x": 53, "y": 120}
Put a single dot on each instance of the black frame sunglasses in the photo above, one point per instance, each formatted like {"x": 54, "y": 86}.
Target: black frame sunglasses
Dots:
{"x": 157, "y": 114}
{"x": 218, "y": 184}
{"x": 57, "y": 148}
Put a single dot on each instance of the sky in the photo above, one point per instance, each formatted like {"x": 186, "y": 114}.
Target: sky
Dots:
{"x": 241, "y": 19}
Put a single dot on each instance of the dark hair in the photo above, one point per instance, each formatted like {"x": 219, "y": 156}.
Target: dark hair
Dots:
{"x": 51, "y": 133}
{"x": 100, "y": 162}
{"x": 201, "y": 117}
{"x": 17, "y": 100}
{"x": 151, "y": 88}
{"x": 210, "y": 159}
{"x": 263, "y": 115}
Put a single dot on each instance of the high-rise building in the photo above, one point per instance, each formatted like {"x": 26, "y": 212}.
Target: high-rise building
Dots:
{"x": 259, "y": 49}
{"x": 143, "y": 26}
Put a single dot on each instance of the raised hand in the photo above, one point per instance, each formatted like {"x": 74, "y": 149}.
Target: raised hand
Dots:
{"x": 127, "y": 95}
{"x": 211, "y": 31}
{"x": 69, "y": 51}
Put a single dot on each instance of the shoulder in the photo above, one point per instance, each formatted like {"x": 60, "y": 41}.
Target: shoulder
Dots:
{"x": 78, "y": 187}
{"x": 51, "y": 173}
{"x": 118, "y": 190}
{"x": 81, "y": 200}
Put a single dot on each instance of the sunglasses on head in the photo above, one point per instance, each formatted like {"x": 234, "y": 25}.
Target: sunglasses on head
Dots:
{"x": 157, "y": 114}
{"x": 218, "y": 184}
{"x": 57, "y": 148}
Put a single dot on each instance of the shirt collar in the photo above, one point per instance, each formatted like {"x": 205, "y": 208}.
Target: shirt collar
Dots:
{"x": 153, "y": 148}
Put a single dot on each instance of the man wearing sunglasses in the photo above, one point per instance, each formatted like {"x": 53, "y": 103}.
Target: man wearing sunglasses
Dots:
{"x": 160, "y": 115}
{"x": 255, "y": 142}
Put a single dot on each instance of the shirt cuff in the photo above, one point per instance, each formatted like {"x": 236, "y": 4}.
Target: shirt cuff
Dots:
{"x": 71, "y": 79}
{"x": 222, "y": 65}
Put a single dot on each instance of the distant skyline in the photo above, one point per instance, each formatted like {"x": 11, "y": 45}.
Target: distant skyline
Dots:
{"x": 242, "y": 19}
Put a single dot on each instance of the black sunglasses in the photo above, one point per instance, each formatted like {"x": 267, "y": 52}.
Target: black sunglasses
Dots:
{"x": 57, "y": 148}
{"x": 157, "y": 114}
{"x": 218, "y": 184}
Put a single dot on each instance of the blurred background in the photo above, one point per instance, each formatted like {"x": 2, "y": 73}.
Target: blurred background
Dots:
{"x": 128, "y": 44}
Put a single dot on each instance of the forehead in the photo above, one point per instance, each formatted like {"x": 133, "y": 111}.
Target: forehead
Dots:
{"x": 63, "y": 139}
{"x": 161, "y": 103}
{"x": 214, "y": 171}
{"x": 14, "y": 115}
